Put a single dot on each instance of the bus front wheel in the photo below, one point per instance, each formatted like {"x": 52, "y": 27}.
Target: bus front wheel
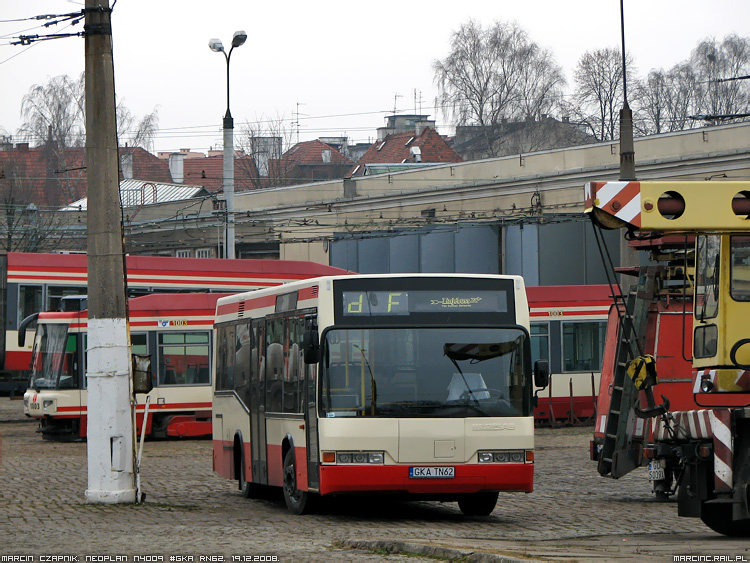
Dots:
{"x": 478, "y": 504}
{"x": 296, "y": 501}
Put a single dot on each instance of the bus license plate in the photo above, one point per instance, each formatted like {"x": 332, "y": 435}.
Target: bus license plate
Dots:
{"x": 432, "y": 472}
{"x": 656, "y": 471}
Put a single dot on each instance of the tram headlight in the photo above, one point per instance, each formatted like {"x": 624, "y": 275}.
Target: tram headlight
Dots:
{"x": 48, "y": 403}
{"x": 360, "y": 457}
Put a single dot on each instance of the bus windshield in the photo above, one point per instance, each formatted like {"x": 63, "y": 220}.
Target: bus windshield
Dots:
{"x": 53, "y": 358}
{"x": 424, "y": 372}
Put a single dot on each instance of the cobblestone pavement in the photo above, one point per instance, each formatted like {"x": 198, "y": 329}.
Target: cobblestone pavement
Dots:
{"x": 573, "y": 515}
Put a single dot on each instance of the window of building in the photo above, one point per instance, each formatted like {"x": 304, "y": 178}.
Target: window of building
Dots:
{"x": 184, "y": 253}
{"x": 204, "y": 253}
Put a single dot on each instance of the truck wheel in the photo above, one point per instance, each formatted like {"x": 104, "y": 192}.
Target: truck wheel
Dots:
{"x": 478, "y": 504}
{"x": 718, "y": 517}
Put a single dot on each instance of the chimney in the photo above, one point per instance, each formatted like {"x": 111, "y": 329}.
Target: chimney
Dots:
{"x": 176, "y": 167}
{"x": 416, "y": 152}
{"x": 22, "y": 147}
{"x": 126, "y": 165}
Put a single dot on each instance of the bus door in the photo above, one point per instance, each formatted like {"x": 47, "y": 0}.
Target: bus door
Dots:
{"x": 257, "y": 406}
{"x": 310, "y": 403}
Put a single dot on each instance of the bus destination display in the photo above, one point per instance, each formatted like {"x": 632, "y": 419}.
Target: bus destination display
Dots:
{"x": 386, "y": 303}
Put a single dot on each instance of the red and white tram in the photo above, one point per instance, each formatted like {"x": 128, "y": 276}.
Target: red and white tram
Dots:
{"x": 31, "y": 283}
{"x": 568, "y": 328}
{"x": 174, "y": 330}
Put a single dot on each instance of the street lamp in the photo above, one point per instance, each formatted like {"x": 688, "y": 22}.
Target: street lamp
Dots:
{"x": 215, "y": 45}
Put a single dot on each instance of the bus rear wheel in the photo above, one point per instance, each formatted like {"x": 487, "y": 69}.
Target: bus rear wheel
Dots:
{"x": 718, "y": 517}
{"x": 296, "y": 501}
{"x": 478, "y": 504}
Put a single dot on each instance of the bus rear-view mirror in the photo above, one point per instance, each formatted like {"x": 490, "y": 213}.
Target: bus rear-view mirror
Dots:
{"x": 541, "y": 373}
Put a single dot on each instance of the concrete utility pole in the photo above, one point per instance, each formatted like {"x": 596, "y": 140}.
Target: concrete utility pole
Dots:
{"x": 110, "y": 424}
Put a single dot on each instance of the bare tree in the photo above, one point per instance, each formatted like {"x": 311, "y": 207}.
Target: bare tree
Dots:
{"x": 26, "y": 227}
{"x": 666, "y": 100}
{"x": 53, "y": 114}
{"x": 599, "y": 91}
{"x": 134, "y": 132}
{"x": 495, "y": 74}
{"x": 266, "y": 140}
{"x": 713, "y": 63}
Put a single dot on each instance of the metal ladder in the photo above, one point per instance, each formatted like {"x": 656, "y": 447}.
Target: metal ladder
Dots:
{"x": 621, "y": 447}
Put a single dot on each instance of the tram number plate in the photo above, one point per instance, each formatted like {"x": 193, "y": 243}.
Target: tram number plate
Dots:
{"x": 432, "y": 472}
{"x": 656, "y": 471}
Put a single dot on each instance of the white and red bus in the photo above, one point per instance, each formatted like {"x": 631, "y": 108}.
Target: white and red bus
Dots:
{"x": 174, "y": 330}
{"x": 568, "y": 328}
{"x": 415, "y": 384}
{"x": 31, "y": 283}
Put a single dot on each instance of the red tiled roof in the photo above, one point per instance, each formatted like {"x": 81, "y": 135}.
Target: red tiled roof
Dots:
{"x": 45, "y": 176}
{"x": 310, "y": 153}
{"x": 147, "y": 166}
{"x": 209, "y": 173}
{"x": 397, "y": 148}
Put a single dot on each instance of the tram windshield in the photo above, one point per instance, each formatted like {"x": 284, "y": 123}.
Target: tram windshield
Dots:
{"x": 53, "y": 361}
{"x": 412, "y": 372}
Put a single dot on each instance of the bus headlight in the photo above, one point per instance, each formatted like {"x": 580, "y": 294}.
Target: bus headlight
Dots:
{"x": 512, "y": 456}
{"x": 360, "y": 457}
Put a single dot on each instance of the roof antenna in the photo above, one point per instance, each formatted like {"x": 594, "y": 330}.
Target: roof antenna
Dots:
{"x": 627, "y": 150}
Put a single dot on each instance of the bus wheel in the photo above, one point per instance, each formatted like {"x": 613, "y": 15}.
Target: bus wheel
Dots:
{"x": 296, "y": 500}
{"x": 478, "y": 504}
{"x": 718, "y": 517}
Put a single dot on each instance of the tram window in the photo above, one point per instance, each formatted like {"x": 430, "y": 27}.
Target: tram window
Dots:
{"x": 55, "y": 293}
{"x": 539, "y": 341}
{"x": 29, "y": 302}
{"x": 583, "y": 345}
{"x": 138, "y": 343}
{"x": 183, "y": 358}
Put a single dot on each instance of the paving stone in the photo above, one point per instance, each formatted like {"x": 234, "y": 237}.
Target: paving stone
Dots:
{"x": 573, "y": 514}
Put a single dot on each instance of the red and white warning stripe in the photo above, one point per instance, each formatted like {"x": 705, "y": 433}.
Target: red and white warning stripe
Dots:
{"x": 621, "y": 199}
{"x": 708, "y": 424}
{"x": 721, "y": 428}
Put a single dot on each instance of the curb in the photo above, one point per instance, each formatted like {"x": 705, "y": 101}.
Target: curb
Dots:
{"x": 438, "y": 552}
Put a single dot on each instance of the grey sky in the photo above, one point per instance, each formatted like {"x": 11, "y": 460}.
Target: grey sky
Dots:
{"x": 334, "y": 58}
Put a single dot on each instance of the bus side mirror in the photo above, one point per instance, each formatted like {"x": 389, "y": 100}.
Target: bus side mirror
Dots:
{"x": 22, "y": 328}
{"x": 311, "y": 346}
{"x": 142, "y": 373}
{"x": 541, "y": 373}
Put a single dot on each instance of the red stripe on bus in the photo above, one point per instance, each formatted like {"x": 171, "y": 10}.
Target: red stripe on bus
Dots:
{"x": 468, "y": 479}
{"x": 308, "y": 293}
{"x": 249, "y": 305}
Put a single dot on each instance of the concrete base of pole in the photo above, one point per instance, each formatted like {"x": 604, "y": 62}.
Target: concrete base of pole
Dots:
{"x": 111, "y": 497}
{"x": 111, "y": 465}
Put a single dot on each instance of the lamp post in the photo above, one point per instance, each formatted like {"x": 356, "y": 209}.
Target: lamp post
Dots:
{"x": 215, "y": 45}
